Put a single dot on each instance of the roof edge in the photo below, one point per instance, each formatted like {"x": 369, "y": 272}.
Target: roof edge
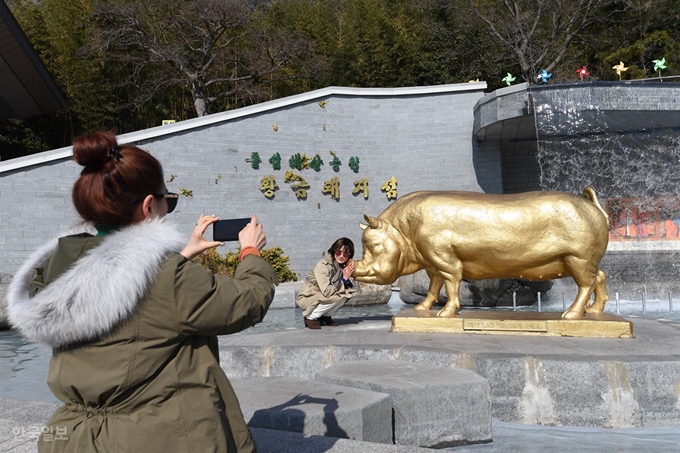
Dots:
{"x": 18, "y": 34}
{"x": 159, "y": 131}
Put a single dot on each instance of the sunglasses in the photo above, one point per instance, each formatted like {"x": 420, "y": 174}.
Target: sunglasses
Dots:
{"x": 171, "y": 197}
{"x": 342, "y": 252}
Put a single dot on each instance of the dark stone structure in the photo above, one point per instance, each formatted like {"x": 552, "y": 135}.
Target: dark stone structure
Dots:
{"x": 622, "y": 138}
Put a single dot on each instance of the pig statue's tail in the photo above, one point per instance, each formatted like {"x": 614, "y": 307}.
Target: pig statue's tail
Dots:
{"x": 590, "y": 194}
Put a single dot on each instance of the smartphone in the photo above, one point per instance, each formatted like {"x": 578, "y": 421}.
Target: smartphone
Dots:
{"x": 228, "y": 229}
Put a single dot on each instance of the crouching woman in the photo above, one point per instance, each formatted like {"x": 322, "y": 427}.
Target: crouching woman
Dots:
{"x": 328, "y": 286}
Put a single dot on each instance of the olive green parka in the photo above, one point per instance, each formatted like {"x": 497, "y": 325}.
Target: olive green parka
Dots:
{"x": 133, "y": 327}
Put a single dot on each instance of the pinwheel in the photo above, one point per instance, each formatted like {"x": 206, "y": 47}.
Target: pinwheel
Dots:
{"x": 620, "y": 68}
{"x": 508, "y": 79}
{"x": 659, "y": 65}
{"x": 583, "y": 72}
{"x": 544, "y": 76}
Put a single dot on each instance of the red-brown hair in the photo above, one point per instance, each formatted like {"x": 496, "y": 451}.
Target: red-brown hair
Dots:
{"x": 115, "y": 180}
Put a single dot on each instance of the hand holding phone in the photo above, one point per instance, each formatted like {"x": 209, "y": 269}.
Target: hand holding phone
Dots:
{"x": 252, "y": 235}
{"x": 227, "y": 230}
{"x": 197, "y": 243}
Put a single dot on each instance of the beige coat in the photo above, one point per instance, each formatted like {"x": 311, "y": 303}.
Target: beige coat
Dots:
{"x": 318, "y": 288}
{"x": 133, "y": 327}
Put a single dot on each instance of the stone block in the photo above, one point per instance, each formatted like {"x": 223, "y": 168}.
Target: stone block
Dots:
{"x": 284, "y": 297}
{"x": 316, "y": 408}
{"x": 370, "y": 294}
{"x": 413, "y": 289}
{"x": 364, "y": 352}
{"x": 294, "y": 361}
{"x": 433, "y": 407}
{"x": 245, "y": 362}
{"x": 270, "y": 441}
{"x": 478, "y": 293}
{"x": 366, "y": 294}
{"x": 654, "y": 385}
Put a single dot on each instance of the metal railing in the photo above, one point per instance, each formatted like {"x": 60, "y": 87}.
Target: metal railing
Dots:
{"x": 617, "y": 300}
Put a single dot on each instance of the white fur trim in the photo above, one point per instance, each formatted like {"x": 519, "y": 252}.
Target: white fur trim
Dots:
{"x": 100, "y": 290}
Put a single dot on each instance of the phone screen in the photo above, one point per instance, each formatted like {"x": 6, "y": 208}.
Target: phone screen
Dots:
{"x": 228, "y": 229}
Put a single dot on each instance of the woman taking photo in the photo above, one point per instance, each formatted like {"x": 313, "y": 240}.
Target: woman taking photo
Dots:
{"x": 132, "y": 320}
{"x": 328, "y": 286}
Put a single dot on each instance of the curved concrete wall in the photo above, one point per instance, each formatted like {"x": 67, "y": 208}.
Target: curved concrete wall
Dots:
{"x": 505, "y": 120}
{"x": 420, "y": 136}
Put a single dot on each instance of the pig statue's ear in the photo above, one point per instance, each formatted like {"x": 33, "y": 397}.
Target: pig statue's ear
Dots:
{"x": 372, "y": 221}
{"x": 363, "y": 226}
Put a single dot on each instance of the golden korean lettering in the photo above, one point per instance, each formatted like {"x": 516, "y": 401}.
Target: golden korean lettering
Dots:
{"x": 361, "y": 186}
{"x": 268, "y": 186}
{"x": 390, "y": 188}
{"x": 332, "y": 187}
{"x": 300, "y": 187}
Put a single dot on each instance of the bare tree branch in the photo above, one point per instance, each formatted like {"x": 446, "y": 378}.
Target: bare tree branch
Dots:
{"x": 200, "y": 45}
{"x": 538, "y": 33}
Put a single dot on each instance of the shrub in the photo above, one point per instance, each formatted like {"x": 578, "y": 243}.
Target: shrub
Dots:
{"x": 279, "y": 261}
{"x": 226, "y": 264}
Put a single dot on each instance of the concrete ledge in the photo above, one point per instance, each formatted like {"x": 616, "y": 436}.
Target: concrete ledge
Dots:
{"x": 284, "y": 297}
{"x": 547, "y": 381}
{"x": 16, "y": 414}
{"x": 370, "y": 294}
{"x": 315, "y": 408}
{"x": 287, "y": 442}
{"x": 367, "y": 294}
{"x": 20, "y": 420}
{"x": 433, "y": 407}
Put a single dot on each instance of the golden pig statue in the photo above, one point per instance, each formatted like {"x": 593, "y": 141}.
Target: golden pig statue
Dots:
{"x": 455, "y": 235}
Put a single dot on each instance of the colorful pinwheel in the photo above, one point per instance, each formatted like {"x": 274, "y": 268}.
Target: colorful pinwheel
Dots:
{"x": 659, "y": 65}
{"x": 544, "y": 76}
{"x": 583, "y": 72}
{"x": 508, "y": 79}
{"x": 620, "y": 68}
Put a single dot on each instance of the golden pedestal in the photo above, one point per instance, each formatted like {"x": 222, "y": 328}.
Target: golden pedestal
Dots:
{"x": 596, "y": 325}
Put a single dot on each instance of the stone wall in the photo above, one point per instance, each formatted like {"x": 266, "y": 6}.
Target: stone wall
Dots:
{"x": 632, "y": 272}
{"x": 420, "y": 136}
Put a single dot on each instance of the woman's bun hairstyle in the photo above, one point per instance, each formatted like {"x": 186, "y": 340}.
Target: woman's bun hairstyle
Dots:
{"x": 94, "y": 150}
{"x": 114, "y": 181}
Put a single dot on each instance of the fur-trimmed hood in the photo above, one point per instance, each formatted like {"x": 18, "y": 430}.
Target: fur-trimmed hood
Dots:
{"x": 98, "y": 291}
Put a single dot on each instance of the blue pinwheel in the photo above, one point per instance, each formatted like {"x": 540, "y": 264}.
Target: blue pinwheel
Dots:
{"x": 544, "y": 76}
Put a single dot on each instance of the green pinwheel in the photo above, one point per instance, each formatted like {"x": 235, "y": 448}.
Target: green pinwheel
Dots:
{"x": 659, "y": 65}
{"x": 508, "y": 79}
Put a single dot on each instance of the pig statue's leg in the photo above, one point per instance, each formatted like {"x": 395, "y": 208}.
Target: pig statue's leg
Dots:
{"x": 601, "y": 296}
{"x": 453, "y": 303}
{"x": 436, "y": 283}
{"x": 585, "y": 276}
{"x": 452, "y": 272}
